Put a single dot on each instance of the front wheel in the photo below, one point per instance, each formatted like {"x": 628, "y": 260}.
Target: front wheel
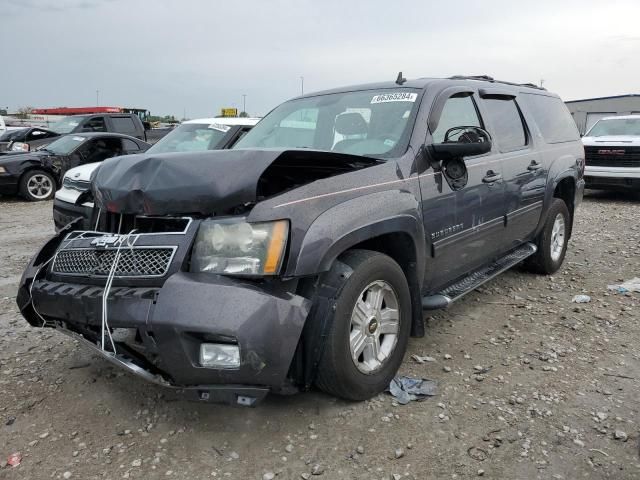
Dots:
{"x": 37, "y": 185}
{"x": 370, "y": 331}
{"x": 552, "y": 242}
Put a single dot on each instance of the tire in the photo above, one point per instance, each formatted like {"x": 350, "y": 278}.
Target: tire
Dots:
{"x": 551, "y": 248}
{"x": 374, "y": 276}
{"x": 37, "y": 185}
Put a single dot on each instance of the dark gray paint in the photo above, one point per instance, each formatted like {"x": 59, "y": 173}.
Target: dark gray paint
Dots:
{"x": 406, "y": 195}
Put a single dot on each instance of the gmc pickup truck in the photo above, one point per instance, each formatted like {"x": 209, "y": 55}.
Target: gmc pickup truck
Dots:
{"x": 308, "y": 253}
{"x": 612, "y": 154}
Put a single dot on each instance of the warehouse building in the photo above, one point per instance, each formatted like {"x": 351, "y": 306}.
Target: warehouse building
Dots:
{"x": 589, "y": 111}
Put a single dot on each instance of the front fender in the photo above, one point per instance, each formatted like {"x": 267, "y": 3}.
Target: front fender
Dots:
{"x": 355, "y": 221}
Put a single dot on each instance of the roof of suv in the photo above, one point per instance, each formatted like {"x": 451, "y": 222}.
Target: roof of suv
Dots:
{"x": 421, "y": 83}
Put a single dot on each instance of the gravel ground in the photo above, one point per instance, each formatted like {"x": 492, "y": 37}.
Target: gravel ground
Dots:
{"x": 530, "y": 385}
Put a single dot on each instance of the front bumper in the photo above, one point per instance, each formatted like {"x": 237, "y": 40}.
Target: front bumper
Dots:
{"x": 614, "y": 177}
{"x": 158, "y": 329}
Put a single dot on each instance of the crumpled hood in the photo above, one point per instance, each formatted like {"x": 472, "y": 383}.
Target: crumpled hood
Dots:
{"x": 193, "y": 182}
{"x": 208, "y": 182}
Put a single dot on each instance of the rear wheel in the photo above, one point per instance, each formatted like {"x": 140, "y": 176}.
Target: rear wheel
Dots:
{"x": 37, "y": 185}
{"x": 552, "y": 242}
{"x": 370, "y": 331}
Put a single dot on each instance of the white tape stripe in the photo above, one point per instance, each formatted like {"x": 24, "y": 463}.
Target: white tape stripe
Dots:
{"x": 355, "y": 189}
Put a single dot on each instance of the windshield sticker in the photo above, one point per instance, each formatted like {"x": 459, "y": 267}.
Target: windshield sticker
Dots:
{"x": 78, "y": 139}
{"x": 220, "y": 127}
{"x": 395, "y": 97}
{"x": 74, "y": 124}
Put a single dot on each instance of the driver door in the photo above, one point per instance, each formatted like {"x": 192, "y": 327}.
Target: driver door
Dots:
{"x": 463, "y": 199}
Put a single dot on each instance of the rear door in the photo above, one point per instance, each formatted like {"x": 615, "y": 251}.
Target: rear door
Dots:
{"x": 464, "y": 219}
{"x": 522, "y": 168}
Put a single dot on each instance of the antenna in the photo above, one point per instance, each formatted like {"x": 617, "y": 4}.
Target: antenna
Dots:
{"x": 400, "y": 80}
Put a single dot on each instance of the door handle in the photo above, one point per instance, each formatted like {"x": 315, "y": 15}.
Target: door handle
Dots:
{"x": 534, "y": 166}
{"x": 491, "y": 177}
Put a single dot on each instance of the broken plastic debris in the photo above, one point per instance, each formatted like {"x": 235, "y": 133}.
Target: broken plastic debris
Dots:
{"x": 14, "y": 459}
{"x": 581, "y": 299}
{"x": 406, "y": 389}
{"x": 420, "y": 359}
{"x": 632, "y": 285}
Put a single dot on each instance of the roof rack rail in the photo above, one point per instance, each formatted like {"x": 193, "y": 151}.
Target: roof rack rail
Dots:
{"x": 487, "y": 78}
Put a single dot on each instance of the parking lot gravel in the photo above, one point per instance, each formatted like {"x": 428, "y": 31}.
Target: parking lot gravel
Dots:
{"x": 530, "y": 386}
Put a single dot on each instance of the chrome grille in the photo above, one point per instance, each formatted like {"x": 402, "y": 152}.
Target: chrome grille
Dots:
{"x": 133, "y": 262}
{"x": 604, "y": 156}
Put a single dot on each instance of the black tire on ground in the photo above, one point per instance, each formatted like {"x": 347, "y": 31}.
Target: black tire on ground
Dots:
{"x": 337, "y": 372}
{"x": 28, "y": 190}
{"x": 543, "y": 261}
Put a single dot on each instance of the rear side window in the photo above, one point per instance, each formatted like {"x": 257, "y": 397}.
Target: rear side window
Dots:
{"x": 507, "y": 123}
{"x": 130, "y": 146}
{"x": 123, "y": 125}
{"x": 553, "y": 118}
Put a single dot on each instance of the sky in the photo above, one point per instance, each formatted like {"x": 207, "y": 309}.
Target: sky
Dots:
{"x": 197, "y": 56}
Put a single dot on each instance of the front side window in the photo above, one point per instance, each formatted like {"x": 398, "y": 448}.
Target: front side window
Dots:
{"x": 367, "y": 122}
{"x": 458, "y": 111}
{"x": 95, "y": 124}
{"x": 99, "y": 149}
{"x": 615, "y": 126}
{"x": 191, "y": 137}
{"x": 506, "y": 120}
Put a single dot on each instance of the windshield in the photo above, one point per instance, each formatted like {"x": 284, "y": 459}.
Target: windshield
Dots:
{"x": 367, "y": 122}
{"x": 65, "y": 145}
{"x": 616, "y": 126}
{"x": 14, "y": 135}
{"x": 66, "y": 125}
{"x": 191, "y": 137}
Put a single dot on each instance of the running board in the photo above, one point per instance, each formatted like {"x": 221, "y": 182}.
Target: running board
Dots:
{"x": 452, "y": 293}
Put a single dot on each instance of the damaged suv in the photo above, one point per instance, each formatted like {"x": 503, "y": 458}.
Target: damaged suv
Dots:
{"x": 308, "y": 253}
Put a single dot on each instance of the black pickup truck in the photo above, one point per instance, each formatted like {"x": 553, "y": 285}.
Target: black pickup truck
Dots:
{"x": 308, "y": 253}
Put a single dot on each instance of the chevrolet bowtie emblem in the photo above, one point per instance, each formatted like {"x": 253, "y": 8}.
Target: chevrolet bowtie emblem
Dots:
{"x": 107, "y": 240}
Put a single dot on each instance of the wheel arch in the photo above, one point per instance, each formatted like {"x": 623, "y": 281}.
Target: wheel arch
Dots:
{"x": 565, "y": 189}
{"x": 385, "y": 222}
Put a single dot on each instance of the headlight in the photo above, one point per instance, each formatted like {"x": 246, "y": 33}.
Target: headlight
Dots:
{"x": 236, "y": 247}
{"x": 19, "y": 147}
{"x": 3, "y": 170}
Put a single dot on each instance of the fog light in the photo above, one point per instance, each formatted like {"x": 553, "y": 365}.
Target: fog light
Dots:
{"x": 219, "y": 355}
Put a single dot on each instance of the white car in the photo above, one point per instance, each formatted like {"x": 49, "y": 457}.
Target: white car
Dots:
{"x": 612, "y": 153}
{"x": 190, "y": 136}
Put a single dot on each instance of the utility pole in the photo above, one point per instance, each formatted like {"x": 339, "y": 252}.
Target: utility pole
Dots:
{"x": 541, "y": 82}
{"x": 244, "y": 102}
{"x": 97, "y": 98}
{"x": 301, "y": 85}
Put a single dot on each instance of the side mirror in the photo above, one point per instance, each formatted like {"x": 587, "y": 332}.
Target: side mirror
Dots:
{"x": 460, "y": 142}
